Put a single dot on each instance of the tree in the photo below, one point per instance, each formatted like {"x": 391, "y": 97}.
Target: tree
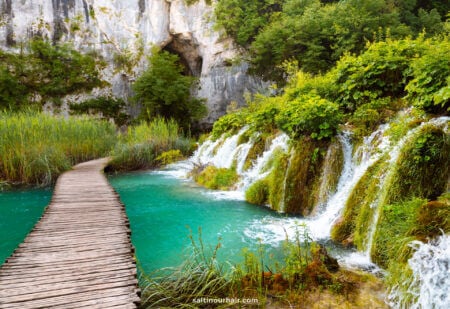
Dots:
{"x": 164, "y": 91}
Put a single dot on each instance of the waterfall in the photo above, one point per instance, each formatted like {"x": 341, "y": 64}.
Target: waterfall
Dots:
{"x": 259, "y": 169}
{"x": 222, "y": 152}
{"x": 354, "y": 168}
{"x": 430, "y": 284}
{"x": 386, "y": 178}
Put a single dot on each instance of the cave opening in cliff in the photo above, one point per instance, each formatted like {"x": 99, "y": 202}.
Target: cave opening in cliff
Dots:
{"x": 188, "y": 54}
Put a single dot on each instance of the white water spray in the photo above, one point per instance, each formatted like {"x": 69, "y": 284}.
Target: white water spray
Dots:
{"x": 430, "y": 285}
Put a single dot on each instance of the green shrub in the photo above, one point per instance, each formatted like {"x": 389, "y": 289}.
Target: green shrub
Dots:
{"x": 430, "y": 84}
{"x": 106, "y": 106}
{"x": 47, "y": 71}
{"x": 229, "y": 123}
{"x": 382, "y": 71}
{"x": 170, "y": 156}
{"x": 311, "y": 116}
{"x": 165, "y": 92}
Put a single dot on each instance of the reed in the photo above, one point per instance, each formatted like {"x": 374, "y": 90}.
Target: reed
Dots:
{"x": 142, "y": 145}
{"x": 36, "y": 147}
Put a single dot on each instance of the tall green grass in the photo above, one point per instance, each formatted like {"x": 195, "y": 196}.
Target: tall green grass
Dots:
{"x": 141, "y": 145}
{"x": 36, "y": 147}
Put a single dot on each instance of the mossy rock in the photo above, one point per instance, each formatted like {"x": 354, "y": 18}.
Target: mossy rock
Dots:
{"x": 258, "y": 192}
{"x": 257, "y": 149}
{"x": 352, "y": 227}
{"x": 423, "y": 167}
{"x": 433, "y": 219}
{"x": 215, "y": 178}
{"x": 303, "y": 176}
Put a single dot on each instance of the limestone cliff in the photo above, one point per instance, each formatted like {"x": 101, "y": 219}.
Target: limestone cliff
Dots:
{"x": 124, "y": 31}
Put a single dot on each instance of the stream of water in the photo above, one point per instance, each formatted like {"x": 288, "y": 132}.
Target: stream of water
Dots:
{"x": 19, "y": 211}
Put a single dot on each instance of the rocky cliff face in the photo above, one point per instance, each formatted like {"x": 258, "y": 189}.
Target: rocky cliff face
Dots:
{"x": 124, "y": 31}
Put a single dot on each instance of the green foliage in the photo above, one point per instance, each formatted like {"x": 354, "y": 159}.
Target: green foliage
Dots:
{"x": 229, "y": 123}
{"x": 12, "y": 92}
{"x": 48, "y": 71}
{"x": 423, "y": 166}
{"x": 164, "y": 91}
{"x": 258, "y": 192}
{"x": 199, "y": 276}
{"x": 303, "y": 176}
{"x": 35, "y": 147}
{"x": 276, "y": 180}
{"x": 430, "y": 84}
{"x": 243, "y": 19}
{"x": 311, "y": 116}
{"x": 317, "y": 34}
{"x": 215, "y": 178}
{"x": 170, "y": 156}
{"x": 141, "y": 145}
{"x": 382, "y": 71}
{"x": 107, "y": 107}
{"x": 392, "y": 234}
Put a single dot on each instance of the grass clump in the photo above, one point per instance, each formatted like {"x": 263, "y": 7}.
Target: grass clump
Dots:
{"x": 215, "y": 178}
{"x": 199, "y": 276}
{"x": 37, "y": 147}
{"x": 258, "y": 192}
{"x": 142, "y": 146}
{"x": 304, "y": 275}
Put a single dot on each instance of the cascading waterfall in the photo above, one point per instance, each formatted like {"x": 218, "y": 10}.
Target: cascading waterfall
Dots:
{"x": 430, "y": 284}
{"x": 354, "y": 168}
{"x": 394, "y": 155}
{"x": 258, "y": 170}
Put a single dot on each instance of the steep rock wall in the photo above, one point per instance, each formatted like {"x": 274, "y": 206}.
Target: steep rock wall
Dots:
{"x": 123, "y": 33}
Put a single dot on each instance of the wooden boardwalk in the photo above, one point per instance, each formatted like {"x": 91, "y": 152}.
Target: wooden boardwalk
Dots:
{"x": 79, "y": 254}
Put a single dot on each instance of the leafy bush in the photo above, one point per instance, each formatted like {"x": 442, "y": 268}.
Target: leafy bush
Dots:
{"x": 108, "y": 107}
{"x": 228, "y": 123}
{"x": 310, "y": 115}
{"x": 46, "y": 71}
{"x": 170, "y": 156}
{"x": 243, "y": 19}
{"x": 165, "y": 92}
{"x": 381, "y": 71}
{"x": 430, "y": 84}
{"x": 317, "y": 34}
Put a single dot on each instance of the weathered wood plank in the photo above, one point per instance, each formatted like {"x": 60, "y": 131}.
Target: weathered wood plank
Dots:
{"x": 79, "y": 254}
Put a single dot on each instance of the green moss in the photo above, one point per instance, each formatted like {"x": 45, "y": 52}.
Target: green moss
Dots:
{"x": 276, "y": 180}
{"x": 217, "y": 178}
{"x": 423, "y": 167}
{"x": 258, "y": 147}
{"x": 432, "y": 219}
{"x": 354, "y": 223}
{"x": 258, "y": 192}
{"x": 302, "y": 177}
{"x": 331, "y": 171}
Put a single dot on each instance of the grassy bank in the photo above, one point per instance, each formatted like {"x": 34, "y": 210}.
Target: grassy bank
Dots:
{"x": 305, "y": 277}
{"x": 36, "y": 147}
{"x": 149, "y": 145}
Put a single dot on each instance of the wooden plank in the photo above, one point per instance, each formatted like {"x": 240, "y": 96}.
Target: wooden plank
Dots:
{"x": 79, "y": 255}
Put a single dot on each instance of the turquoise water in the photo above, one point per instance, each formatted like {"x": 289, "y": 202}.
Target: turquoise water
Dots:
{"x": 19, "y": 211}
{"x": 163, "y": 209}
